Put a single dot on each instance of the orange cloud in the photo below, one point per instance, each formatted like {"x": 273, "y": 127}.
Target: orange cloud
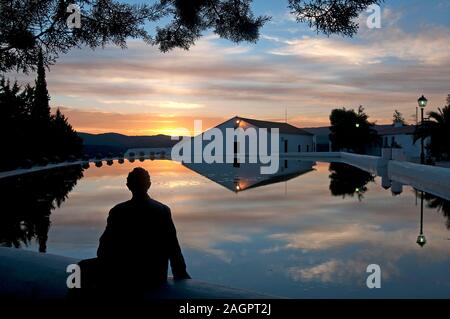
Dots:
{"x": 133, "y": 124}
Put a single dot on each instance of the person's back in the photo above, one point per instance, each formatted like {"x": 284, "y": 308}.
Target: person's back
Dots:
{"x": 140, "y": 239}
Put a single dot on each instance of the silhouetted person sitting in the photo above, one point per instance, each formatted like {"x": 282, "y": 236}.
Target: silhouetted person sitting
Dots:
{"x": 139, "y": 241}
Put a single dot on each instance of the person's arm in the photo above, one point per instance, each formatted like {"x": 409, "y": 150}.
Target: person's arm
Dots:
{"x": 105, "y": 247}
{"x": 175, "y": 256}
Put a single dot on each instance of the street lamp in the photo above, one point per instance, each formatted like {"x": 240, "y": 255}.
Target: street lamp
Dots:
{"x": 422, "y": 101}
{"x": 422, "y": 104}
{"x": 421, "y": 240}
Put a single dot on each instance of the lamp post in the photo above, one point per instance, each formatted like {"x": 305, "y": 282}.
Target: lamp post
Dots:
{"x": 421, "y": 240}
{"x": 422, "y": 104}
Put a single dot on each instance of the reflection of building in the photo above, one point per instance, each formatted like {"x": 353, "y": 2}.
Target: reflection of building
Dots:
{"x": 248, "y": 175}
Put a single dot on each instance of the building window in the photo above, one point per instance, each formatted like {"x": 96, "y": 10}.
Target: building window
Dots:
{"x": 299, "y": 148}
{"x": 285, "y": 146}
{"x": 285, "y": 164}
{"x": 307, "y": 148}
{"x": 392, "y": 140}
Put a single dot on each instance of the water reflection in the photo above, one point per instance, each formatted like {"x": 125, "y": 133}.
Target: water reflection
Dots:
{"x": 248, "y": 175}
{"x": 346, "y": 180}
{"x": 440, "y": 204}
{"x": 295, "y": 240}
{"x": 27, "y": 203}
{"x": 421, "y": 240}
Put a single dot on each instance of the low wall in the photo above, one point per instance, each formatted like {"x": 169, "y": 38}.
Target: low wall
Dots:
{"x": 432, "y": 179}
{"x": 373, "y": 164}
{"x": 35, "y": 276}
{"x": 148, "y": 151}
{"x": 315, "y": 154}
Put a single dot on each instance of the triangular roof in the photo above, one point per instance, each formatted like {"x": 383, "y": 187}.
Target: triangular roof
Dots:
{"x": 284, "y": 128}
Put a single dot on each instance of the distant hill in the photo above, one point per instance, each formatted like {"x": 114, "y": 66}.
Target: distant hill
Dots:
{"x": 118, "y": 143}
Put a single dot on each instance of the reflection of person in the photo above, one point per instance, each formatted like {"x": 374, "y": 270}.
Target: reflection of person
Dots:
{"x": 140, "y": 238}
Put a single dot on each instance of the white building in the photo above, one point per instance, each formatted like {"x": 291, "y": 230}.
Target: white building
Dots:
{"x": 399, "y": 136}
{"x": 396, "y": 135}
{"x": 291, "y": 139}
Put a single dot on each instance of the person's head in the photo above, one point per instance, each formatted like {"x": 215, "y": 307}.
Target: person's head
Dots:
{"x": 138, "y": 181}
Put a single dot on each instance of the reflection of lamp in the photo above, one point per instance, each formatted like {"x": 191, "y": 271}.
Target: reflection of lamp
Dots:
{"x": 357, "y": 125}
{"x": 237, "y": 187}
{"x": 421, "y": 240}
{"x": 422, "y": 104}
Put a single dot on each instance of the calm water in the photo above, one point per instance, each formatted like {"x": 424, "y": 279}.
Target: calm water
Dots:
{"x": 309, "y": 232}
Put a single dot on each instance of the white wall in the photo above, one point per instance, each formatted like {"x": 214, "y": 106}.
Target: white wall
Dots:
{"x": 293, "y": 140}
{"x": 406, "y": 141}
{"x": 432, "y": 179}
{"x": 305, "y": 142}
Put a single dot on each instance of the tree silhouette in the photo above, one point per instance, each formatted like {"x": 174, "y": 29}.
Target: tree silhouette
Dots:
{"x": 65, "y": 140}
{"x": 27, "y": 130}
{"x": 15, "y": 110}
{"x": 41, "y": 107}
{"x": 330, "y": 16}
{"x": 27, "y": 204}
{"x": 438, "y": 129}
{"x": 397, "y": 117}
{"x": 347, "y": 180}
{"x": 27, "y": 26}
{"x": 352, "y": 130}
{"x": 440, "y": 204}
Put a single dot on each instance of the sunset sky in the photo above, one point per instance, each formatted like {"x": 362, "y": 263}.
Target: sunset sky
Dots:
{"x": 140, "y": 91}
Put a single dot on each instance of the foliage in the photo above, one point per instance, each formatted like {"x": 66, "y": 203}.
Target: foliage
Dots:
{"x": 27, "y": 26}
{"x": 28, "y": 132}
{"x": 397, "y": 117}
{"x": 437, "y": 128}
{"x": 27, "y": 204}
{"x": 330, "y": 16}
{"x": 352, "y": 130}
{"x": 441, "y": 205}
{"x": 346, "y": 180}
